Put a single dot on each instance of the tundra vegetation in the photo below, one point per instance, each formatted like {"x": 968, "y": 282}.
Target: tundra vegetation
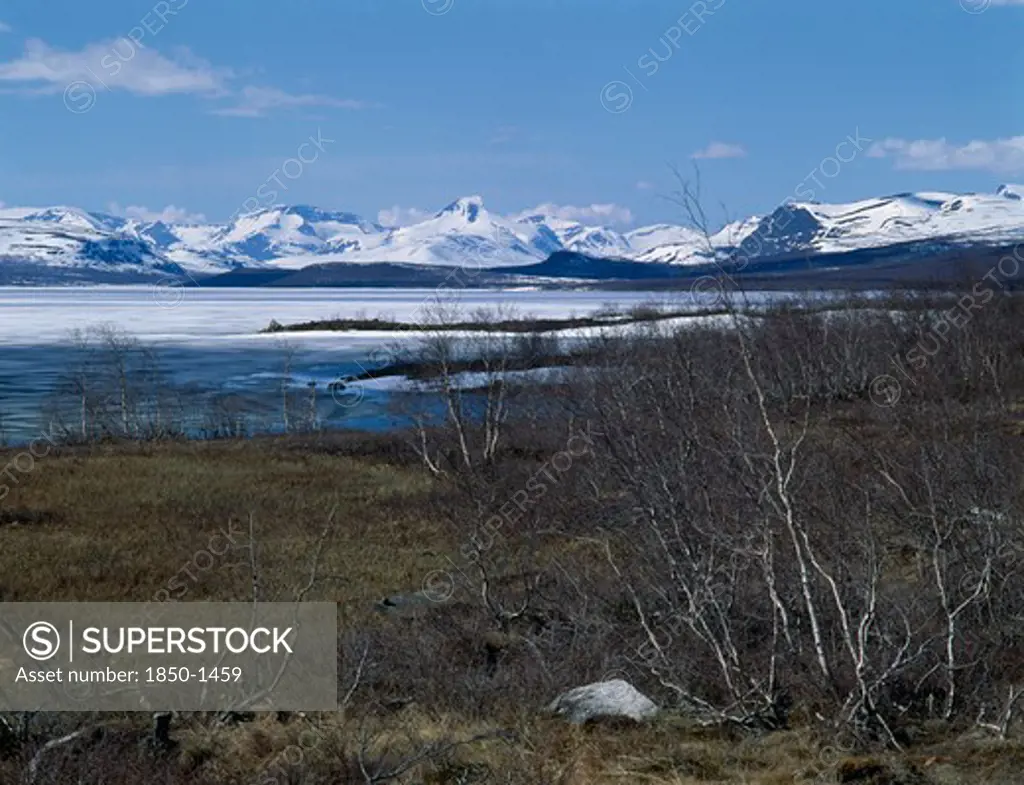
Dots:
{"x": 799, "y": 532}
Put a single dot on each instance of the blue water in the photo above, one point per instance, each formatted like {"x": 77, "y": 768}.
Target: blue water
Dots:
{"x": 34, "y": 378}
{"x": 208, "y": 345}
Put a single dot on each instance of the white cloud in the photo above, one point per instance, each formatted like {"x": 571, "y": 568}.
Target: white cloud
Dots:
{"x": 116, "y": 64}
{"x": 721, "y": 150}
{"x": 644, "y": 185}
{"x": 256, "y": 101}
{"x": 169, "y": 214}
{"x": 4, "y": 27}
{"x": 402, "y": 216}
{"x": 595, "y": 213}
{"x": 121, "y": 64}
{"x": 997, "y": 155}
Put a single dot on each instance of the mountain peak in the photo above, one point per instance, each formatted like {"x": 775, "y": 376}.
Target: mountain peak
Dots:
{"x": 72, "y": 216}
{"x": 468, "y": 207}
{"x": 1011, "y": 191}
{"x": 315, "y": 215}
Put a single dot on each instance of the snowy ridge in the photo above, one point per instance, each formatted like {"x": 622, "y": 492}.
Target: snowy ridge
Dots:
{"x": 872, "y": 223}
{"x": 297, "y": 236}
{"x": 69, "y": 238}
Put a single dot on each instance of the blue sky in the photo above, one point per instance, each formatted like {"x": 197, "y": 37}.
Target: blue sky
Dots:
{"x": 582, "y": 104}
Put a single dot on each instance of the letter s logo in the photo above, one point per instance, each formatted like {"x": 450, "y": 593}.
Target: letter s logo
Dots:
{"x": 41, "y": 640}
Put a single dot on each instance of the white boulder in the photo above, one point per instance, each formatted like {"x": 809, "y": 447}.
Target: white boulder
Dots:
{"x": 603, "y": 699}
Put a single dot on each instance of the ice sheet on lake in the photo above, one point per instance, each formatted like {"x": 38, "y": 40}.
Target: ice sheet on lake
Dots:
{"x": 32, "y": 316}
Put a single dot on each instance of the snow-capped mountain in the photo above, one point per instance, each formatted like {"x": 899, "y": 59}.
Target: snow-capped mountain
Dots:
{"x": 670, "y": 244}
{"x": 69, "y": 239}
{"x": 566, "y": 235}
{"x": 980, "y": 219}
{"x": 292, "y": 237}
{"x": 464, "y": 230}
{"x": 252, "y": 240}
{"x": 276, "y": 233}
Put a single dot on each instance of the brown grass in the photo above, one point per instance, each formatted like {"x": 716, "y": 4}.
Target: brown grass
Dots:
{"x": 119, "y": 522}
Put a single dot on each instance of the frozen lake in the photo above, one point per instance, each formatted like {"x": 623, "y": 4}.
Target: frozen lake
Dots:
{"x": 209, "y": 339}
{"x": 37, "y": 316}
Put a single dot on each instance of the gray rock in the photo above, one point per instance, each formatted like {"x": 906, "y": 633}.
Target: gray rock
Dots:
{"x": 603, "y": 699}
{"x": 405, "y": 604}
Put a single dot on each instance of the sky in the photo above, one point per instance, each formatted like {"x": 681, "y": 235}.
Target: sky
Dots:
{"x": 197, "y": 109}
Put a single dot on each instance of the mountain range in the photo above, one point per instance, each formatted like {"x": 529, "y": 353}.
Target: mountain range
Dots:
{"x": 67, "y": 244}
